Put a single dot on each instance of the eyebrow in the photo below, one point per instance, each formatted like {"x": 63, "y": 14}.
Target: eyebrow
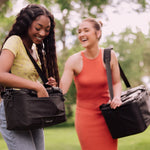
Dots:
{"x": 83, "y": 28}
{"x": 42, "y": 25}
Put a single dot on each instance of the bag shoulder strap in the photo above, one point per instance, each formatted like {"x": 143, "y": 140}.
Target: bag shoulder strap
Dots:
{"x": 123, "y": 76}
{"x": 41, "y": 74}
{"x": 107, "y": 58}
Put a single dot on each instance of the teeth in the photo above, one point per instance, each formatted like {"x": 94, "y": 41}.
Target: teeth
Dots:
{"x": 39, "y": 38}
{"x": 84, "y": 40}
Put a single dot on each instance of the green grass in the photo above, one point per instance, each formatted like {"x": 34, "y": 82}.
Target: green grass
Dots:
{"x": 64, "y": 137}
{"x": 139, "y": 141}
{"x": 61, "y": 139}
{"x": 2, "y": 143}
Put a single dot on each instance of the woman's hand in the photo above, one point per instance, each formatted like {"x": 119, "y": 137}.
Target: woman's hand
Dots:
{"x": 116, "y": 102}
{"x": 41, "y": 90}
{"x": 52, "y": 81}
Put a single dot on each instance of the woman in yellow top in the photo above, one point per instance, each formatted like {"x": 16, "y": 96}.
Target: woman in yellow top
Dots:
{"x": 33, "y": 29}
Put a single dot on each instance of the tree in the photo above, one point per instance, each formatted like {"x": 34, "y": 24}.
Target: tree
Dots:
{"x": 5, "y": 23}
{"x": 2, "y": 2}
{"x": 5, "y": 5}
{"x": 133, "y": 54}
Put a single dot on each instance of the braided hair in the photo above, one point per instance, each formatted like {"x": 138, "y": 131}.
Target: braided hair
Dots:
{"x": 47, "y": 49}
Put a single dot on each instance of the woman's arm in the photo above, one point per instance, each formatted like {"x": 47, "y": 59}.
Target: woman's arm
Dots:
{"x": 116, "y": 102}
{"x": 67, "y": 76}
{"x": 11, "y": 80}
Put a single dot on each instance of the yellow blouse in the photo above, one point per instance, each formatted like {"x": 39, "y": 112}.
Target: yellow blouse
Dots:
{"x": 22, "y": 65}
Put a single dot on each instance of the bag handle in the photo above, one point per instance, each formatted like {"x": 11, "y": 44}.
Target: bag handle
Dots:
{"x": 41, "y": 74}
{"x": 107, "y": 58}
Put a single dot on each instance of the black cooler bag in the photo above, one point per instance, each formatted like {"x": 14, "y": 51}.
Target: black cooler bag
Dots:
{"x": 133, "y": 116}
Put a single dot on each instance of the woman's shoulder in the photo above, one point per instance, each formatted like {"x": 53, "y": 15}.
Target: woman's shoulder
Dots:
{"x": 15, "y": 37}
{"x": 74, "y": 59}
{"x": 113, "y": 55}
{"x": 76, "y": 55}
{"x": 114, "y": 60}
{"x": 13, "y": 43}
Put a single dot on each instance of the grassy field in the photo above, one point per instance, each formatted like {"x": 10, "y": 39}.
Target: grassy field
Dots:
{"x": 65, "y": 138}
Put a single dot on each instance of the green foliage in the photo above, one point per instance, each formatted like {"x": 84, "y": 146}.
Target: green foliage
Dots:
{"x": 5, "y": 22}
{"x": 5, "y": 25}
{"x": 35, "y": 1}
{"x": 47, "y": 3}
{"x": 143, "y": 3}
{"x": 94, "y": 3}
{"x": 5, "y": 5}
{"x": 65, "y": 4}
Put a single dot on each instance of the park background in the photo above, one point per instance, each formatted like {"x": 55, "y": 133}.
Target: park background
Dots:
{"x": 126, "y": 28}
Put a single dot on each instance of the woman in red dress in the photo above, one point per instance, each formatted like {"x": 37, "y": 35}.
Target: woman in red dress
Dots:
{"x": 89, "y": 74}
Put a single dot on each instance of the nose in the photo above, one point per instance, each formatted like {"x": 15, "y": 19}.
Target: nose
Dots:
{"x": 42, "y": 33}
{"x": 81, "y": 33}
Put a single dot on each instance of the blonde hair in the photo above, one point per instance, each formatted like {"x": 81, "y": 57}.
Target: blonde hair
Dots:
{"x": 100, "y": 23}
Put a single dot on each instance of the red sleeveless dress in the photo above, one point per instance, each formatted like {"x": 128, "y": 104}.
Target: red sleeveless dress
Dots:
{"x": 92, "y": 91}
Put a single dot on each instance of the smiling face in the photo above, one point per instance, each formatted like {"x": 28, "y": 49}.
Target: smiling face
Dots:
{"x": 87, "y": 34}
{"x": 39, "y": 29}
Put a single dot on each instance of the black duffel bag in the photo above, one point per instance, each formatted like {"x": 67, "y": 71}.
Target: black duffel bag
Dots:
{"x": 24, "y": 110}
{"x": 133, "y": 116}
